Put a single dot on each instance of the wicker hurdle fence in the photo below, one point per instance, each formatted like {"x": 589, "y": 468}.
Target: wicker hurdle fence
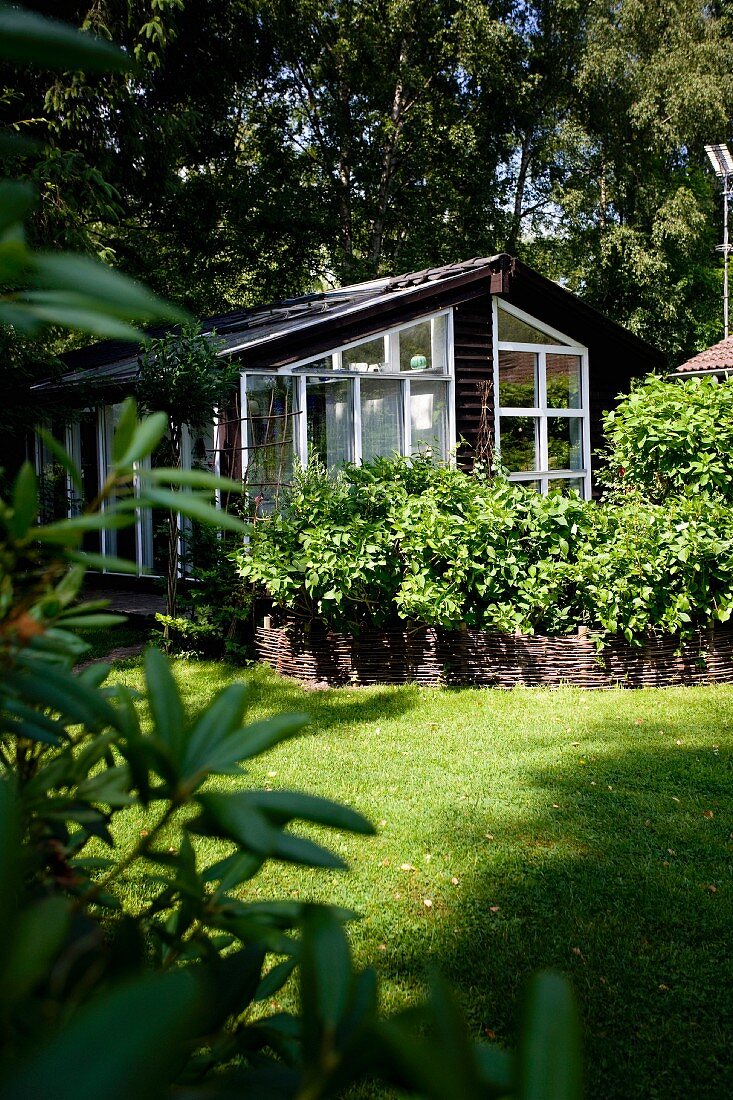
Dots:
{"x": 313, "y": 653}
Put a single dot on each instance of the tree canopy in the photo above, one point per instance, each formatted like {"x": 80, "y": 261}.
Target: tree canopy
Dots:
{"x": 262, "y": 149}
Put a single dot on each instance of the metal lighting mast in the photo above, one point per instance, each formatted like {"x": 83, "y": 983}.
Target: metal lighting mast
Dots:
{"x": 722, "y": 163}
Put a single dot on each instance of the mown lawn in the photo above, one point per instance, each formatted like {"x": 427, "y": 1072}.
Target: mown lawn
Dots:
{"x": 586, "y": 831}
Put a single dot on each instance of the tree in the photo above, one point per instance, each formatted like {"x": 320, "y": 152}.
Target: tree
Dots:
{"x": 182, "y": 376}
{"x": 653, "y": 84}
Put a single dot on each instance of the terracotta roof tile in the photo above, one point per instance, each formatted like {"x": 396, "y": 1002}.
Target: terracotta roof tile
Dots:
{"x": 718, "y": 357}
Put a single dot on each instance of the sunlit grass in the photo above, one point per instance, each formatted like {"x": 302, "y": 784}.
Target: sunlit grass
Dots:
{"x": 589, "y": 831}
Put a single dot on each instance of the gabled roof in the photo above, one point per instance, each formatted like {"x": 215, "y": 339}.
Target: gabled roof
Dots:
{"x": 283, "y": 331}
{"x": 711, "y": 361}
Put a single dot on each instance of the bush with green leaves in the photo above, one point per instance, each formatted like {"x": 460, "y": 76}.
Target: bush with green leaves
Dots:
{"x": 405, "y": 540}
{"x": 667, "y": 437}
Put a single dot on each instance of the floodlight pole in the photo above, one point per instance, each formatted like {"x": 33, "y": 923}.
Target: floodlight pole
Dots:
{"x": 726, "y": 250}
{"x": 722, "y": 164}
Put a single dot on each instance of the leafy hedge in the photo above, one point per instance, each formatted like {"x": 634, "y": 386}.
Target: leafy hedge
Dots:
{"x": 405, "y": 539}
{"x": 668, "y": 438}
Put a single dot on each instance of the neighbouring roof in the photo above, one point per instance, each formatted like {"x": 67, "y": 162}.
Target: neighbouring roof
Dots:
{"x": 263, "y": 334}
{"x": 713, "y": 360}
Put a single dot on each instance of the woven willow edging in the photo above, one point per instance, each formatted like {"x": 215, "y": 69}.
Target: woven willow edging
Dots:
{"x": 316, "y": 654}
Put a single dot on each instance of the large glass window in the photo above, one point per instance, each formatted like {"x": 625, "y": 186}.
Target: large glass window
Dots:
{"x": 542, "y": 405}
{"x": 429, "y": 417}
{"x": 389, "y": 393}
{"x": 369, "y": 356}
{"x": 381, "y": 417}
{"x": 329, "y": 420}
{"x": 271, "y": 420}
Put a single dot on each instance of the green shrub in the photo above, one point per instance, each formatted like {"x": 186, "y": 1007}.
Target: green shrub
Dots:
{"x": 405, "y": 540}
{"x": 666, "y": 438}
{"x": 215, "y": 604}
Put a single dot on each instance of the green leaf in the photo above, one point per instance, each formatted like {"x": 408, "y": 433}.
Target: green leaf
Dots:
{"x": 325, "y": 978}
{"x": 40, "y": 932}
{"x": 14, "y": 259}
{"x": 165, "y": 703}
{"x": 194, "y": 507}
{"x": 113, "y": 292}
{"x": 258, "y": 737}
{"x": 146, "y": 438}
{"x": 53, "y": 730}
{"x": 231, "y": 816}
{"x": 194, "y": 479}
{"x": 102, "y": 561}
{"x": 60, "y": 690}
{"x": 548, "y": 1058}
{"x": 13, "y": 315}
{"x": 77, "y": 525}
{"x": 69, "y": 315}
{"x": 16, "y": 199}
{"x": 61, "y": 455}
{"x": 92, "y": 622}
{"x": 152, "y": 1021}
{"x": 111, "y": 786}
{"x": 285, "y": 806}
{"x": 10, "y": 846}
{"x": 125, "y": 430}
{"x": 25, "y": 501}
{"x": 30, "y": 38}
{"x": 213, "y": 727}
{"x": 275, "y": 979}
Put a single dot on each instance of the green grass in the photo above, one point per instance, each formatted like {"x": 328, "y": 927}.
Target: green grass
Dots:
{"x": 589, "y": 831}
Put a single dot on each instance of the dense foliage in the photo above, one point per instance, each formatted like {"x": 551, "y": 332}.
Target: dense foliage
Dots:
{"x": 405, "y": 539}
{"x": 668, "y": 438}
{"x": 262, "y": 148}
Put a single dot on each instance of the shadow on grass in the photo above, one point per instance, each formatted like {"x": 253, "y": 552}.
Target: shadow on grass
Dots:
{"x": 620, "y": 875}
{"x": 328, "y": 709}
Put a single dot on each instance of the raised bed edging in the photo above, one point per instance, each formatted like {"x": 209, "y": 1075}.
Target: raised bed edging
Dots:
{"x": 311, "y": 652}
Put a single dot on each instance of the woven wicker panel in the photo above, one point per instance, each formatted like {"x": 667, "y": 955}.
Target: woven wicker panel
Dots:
{"x": 313, "y": 653}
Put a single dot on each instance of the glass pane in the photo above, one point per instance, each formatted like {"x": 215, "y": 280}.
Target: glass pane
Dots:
{"x": 536, "y": 485}
{"x": 330, "y": 428}
{"x": 325, "y": 363}
{"x": 563, "y": 381}
{"x": 121, "y": 542}
{"x": 199, "y": 541}
{"x": 367, "y": 357}
{"x": 518, "y": 372}
{"x": 89, "y": 468}
{"x": 271, "y": 412}
{"x": 423, "y": 346}
{"x": 230, "y": 439}
{"x": 55, "y": 498}
{"x": 429, "y": 417}
{"x": 565, "y": 443}
{"x": 516, "y": 331}
{"x": 381, "y": 417}
{"x": 565, "y": 484}
{"x": 519, "y": 443}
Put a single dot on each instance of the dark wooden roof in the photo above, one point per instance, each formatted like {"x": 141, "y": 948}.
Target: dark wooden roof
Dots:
{"x": 284, "y": 332}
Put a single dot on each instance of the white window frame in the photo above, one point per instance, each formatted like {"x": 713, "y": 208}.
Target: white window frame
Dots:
{"x": 304, "y": 369}
{"x": 557, "y": 343}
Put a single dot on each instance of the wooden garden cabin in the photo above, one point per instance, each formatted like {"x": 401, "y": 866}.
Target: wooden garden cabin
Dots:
{"x": 486, "y": 359}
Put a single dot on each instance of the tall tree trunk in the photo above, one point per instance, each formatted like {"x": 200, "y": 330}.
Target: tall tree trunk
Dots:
{"x": 525, "y": 158}
{"x": 390, "y": 151}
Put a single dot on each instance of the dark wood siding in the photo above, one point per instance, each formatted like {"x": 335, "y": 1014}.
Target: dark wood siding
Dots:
{"x": 472, "y": 324}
